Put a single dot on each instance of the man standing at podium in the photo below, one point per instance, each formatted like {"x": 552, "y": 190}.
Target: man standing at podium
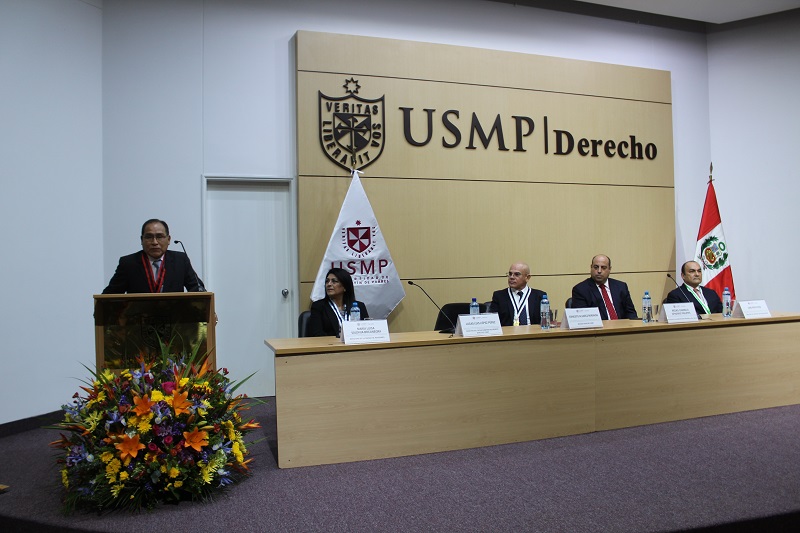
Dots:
{"x": 611, "y": 297}
{"x": 705, "y": 300}
{"x": 154, "y": 269}
{"x": 518, "y": 305}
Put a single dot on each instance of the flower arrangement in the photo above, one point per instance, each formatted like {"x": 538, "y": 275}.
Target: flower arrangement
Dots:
{"x": 167, "y": 431}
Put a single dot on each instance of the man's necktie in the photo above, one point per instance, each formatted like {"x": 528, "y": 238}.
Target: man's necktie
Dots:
{"x": 156, "y": 267}
{"x": 612, "y": 313}
{"x": 523, "y": 314}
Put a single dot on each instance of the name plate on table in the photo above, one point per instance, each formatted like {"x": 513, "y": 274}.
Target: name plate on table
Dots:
{"x": 483, "y": 325}
{"x": 583, "y": 318}
{"x": 678, "y": 313}
{"x": 365, "y": 331}
{"x": 751, "y": 309}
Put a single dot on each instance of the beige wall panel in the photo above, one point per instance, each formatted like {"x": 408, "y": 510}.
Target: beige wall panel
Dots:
{"x": 643, "y": 379}
{"x": 442, "y": 229}
{"x": 435, "y": 398}
{"x": 455, "y": 218}
{"x": 417, "y": 313}
{"x": 328, "y": 52}
{"x": 582, "y": 116}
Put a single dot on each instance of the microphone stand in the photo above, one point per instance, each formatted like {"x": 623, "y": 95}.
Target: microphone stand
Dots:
{"x": 200, "y": 286}
{"x": 437, "y": 307}
{"x": 683, "y": 292}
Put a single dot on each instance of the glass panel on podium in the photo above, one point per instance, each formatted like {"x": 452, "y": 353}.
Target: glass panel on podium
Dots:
{"x": 129, "y": 324}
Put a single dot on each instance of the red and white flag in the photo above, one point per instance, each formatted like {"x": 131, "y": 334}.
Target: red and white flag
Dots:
{"x": 357, "y": 245}
{"x": 712, "y": 249}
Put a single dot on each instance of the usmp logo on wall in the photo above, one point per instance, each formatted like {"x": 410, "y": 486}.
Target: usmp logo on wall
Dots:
{"x": 351, "y": 127}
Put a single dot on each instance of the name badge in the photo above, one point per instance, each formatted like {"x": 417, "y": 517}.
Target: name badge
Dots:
{"x": 678, "y": 313}
{"x": 583, "y": 318}
{"x": 751, "y": 309}
{"x": 365, "y": 331}
{"x": 483, "y": 325}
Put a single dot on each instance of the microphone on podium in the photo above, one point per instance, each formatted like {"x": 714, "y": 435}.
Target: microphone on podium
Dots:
{"x": 437, "y": 307}
{"x": 200, "y": 286}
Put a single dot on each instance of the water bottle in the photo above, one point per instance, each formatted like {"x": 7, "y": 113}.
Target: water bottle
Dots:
{"x": 355, "y": 313}
{"x": 647, "y": 308}
{"x": 544, "y": 312}
{"x": 726, "y": 303}
{"x": 474, "y": 308}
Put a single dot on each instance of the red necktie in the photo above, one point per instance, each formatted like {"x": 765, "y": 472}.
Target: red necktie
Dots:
{"x": 612, "y": 313}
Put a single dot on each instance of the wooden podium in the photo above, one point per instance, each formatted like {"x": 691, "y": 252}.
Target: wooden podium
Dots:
{"x": 128, "y": 324}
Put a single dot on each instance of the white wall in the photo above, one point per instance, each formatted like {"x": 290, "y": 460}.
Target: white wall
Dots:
{"x": 152, "y": 123}
{"x": 50, "y": 201}
{"x": 192, "y": 88}
{"x": 217, "y": 80}
{"x": 754, "y": 74}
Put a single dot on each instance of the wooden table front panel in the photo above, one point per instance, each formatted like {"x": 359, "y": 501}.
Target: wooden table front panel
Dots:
{"x": 660, "y": 376}
{"x": 340, "y": 407}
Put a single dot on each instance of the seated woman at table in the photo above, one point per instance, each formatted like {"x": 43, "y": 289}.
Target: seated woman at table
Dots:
{"x": 328, "y": 313}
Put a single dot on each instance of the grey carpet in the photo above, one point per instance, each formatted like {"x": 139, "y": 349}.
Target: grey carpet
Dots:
{"x": 703, "y": 473}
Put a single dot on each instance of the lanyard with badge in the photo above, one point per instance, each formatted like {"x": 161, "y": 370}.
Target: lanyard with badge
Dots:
{"x": 156, "y": 285}
{"x": 339, "y": 316}
{"x": 523, "y": 304}
{"x": 703, "y": 304}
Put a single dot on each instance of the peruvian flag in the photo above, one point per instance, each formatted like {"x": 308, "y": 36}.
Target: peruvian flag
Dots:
{"x": 712, "y": 249}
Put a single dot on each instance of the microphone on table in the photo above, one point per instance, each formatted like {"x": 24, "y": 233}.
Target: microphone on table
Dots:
{"x": 682, "y": 291}
{"x": 437, "y": 307}
{"x": 200, "y": 286}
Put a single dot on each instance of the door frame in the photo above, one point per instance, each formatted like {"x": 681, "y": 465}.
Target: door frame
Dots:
{"x": 207, "y": 179}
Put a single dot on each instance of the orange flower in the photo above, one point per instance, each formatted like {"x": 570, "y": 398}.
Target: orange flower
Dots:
{"x": 129, "y": 446}
{"x": 249, "y": 425}
{"x": 143, "y": 405}
{"x": 196, "y": 439}
{"x": 180, "y": 404}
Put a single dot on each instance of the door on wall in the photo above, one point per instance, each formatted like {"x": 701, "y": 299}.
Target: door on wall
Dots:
{"x": 248, "y": 268}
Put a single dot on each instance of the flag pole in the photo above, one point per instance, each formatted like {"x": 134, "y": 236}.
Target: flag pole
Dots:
{"x": 710, "y": 172}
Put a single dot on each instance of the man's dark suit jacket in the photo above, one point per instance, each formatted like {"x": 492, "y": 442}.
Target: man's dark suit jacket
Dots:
{"x": 586, "y": 294}
{"x": 504, "y": 307}
{"x": 323, "y": 321}
{"x": 130, "y": 275}
{"x": 682, "y": 294}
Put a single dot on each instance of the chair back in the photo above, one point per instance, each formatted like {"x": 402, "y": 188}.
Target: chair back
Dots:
{"x": 302, "y": 323}
{"x": 568, "y": 305}
{"x": 451, "y": 311}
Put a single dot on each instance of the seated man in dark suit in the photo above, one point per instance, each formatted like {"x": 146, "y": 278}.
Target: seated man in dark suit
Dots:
{"x": 609, "y": 295}
{"x": 518, "y": 304}
{"x": 705, "y": 300}
{"x": 154, "y": 269}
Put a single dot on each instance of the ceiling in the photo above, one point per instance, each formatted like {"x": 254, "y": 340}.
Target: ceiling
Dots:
{"x": 712, "y": 11}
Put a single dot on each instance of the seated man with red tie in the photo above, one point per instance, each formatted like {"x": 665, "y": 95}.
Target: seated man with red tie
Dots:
{"x": 154, "y": 269}
{"x": 705, "y": 300}
{"x": 518, "y": 305}
{"x": 610, "y": 296}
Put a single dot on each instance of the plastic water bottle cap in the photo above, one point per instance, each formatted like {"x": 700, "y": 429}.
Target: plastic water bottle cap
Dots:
{"x": 647, "y": 293}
